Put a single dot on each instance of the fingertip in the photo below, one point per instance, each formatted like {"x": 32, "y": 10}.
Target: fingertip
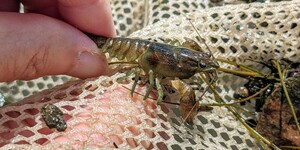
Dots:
{"x": 89, "y": 65}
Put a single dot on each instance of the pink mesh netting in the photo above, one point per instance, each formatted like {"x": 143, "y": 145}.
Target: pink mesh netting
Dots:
{"x": 101, "y": 113}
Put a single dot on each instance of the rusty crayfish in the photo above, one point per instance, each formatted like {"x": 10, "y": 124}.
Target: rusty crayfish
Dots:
{"x": 160, "y": 60}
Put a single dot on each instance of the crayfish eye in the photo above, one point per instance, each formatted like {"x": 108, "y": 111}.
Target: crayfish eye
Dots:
{"x": 202, "y": 65}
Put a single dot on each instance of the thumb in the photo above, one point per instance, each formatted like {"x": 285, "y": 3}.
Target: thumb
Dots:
{"x": 34, "y": 45}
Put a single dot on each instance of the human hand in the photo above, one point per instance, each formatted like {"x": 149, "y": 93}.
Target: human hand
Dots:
{"x": 48, "y": 38}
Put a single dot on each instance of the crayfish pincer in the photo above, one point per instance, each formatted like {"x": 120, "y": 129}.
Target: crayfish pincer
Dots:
{"x": 158, "y": 60}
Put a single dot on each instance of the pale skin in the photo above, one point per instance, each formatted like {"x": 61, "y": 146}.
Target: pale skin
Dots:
{"x": 49, "y": 39}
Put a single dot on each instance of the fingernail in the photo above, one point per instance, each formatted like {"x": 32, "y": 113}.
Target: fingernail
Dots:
{"x": 89, "y": 65}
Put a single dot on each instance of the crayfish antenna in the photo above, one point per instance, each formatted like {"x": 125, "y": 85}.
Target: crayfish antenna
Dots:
{"x": 201, "y": 38}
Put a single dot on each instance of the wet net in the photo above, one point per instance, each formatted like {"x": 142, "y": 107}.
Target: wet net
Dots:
{"x": 101, "y": 113}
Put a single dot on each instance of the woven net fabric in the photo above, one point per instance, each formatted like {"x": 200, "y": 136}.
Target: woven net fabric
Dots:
{"x": 101, "y": 113}
{"x": 17, "y": 90}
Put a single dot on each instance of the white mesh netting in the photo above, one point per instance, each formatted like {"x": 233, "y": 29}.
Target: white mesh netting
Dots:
{"x": 101, "y": 112}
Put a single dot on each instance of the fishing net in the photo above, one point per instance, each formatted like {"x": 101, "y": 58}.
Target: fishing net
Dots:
{"x": 101, "y": 113}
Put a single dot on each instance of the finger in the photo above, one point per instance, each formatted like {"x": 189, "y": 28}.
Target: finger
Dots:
{"x": 93, "y": 16}
{"x": 45, "y": 7}
{"x": 9, "y": 5}
{"x": 34, "y": 45}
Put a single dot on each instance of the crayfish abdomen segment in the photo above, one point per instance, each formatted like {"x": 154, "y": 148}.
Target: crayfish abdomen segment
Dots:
{"x": 122, "y": 48}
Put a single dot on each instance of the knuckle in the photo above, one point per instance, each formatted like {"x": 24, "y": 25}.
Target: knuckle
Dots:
{"x": 37, "y": 65}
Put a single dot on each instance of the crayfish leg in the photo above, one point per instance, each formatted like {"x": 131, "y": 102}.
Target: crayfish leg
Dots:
{"x": 191, "y": 44}
{"x": 158, "y": 86}
{"x": 173, "y": 42}
{"x": 151, "y": 80}
{"x": 159, "y": 91}
{"x": 136, "y": 78}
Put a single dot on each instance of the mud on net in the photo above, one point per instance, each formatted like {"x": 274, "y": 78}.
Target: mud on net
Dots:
{"x": 100, "y": 112}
